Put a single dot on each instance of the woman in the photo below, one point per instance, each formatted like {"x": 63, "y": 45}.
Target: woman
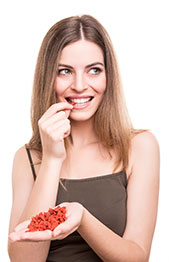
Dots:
{"x": 85, "y": 155}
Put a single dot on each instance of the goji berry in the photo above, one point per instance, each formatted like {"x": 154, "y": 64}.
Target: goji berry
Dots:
{"x": 47, "y": 220}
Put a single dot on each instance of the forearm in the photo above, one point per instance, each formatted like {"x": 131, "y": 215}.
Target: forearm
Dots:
{"x": 107, "y": 245}
{"x": 42, "y": 197}
{"x": 44, "y": 192}
{"x": 28, "y": 251}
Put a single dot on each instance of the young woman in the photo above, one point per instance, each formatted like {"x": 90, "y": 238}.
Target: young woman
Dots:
{"x": 84, "y": 154}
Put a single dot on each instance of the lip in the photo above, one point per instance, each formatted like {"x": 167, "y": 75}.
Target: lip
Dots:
{"x": 72, "y": 100}
{"x": 81, "y": 106}
{"x": 79, "y": 97}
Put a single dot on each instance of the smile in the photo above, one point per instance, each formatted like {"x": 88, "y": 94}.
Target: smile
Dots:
{"x": 79, "y": 101}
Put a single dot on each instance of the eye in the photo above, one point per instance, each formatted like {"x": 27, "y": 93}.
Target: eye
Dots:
{"x": 95, "y": 70}
{"x": 64, "y": 71}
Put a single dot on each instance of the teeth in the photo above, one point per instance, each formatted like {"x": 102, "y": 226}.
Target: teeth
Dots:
{"x": 80, "y": 100}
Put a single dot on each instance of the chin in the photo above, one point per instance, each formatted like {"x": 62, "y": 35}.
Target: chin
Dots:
{"x": 81, "y": 118}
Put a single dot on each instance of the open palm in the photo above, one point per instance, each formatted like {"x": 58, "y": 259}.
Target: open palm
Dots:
{"x": 74, "y": 216}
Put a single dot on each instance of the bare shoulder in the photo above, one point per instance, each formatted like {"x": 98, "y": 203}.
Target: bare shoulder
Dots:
{"x": 21, "y": 164}
{"x": 144, "y": 148}
{"x": 21, "y": 154}
{"x": 20, "y": 157}
{"x": 145, "y": 140}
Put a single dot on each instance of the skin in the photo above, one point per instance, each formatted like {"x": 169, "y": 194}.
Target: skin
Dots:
{"x": 81, "y": 77}
{"x": 77, "y": 78}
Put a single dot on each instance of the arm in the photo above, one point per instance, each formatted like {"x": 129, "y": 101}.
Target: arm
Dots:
{"x": 143, "y": 187}
{"x": 30, "y": 198}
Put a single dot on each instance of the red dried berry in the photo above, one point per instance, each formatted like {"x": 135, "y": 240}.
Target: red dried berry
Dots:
{"x": 47, "y": 220}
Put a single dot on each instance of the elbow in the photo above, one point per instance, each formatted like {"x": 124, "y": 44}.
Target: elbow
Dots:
{"x": 145, "y": 257}
{"x": 140, "y": 254}
{"x": 26, "y": 251}
{"x": 142, "y": 258}
{"x": 11, "y": 252}
{"x": 16, "y": 252}
{"x": 136, "y": 254}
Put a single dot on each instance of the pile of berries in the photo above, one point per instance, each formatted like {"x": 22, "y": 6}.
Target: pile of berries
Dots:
{"x": 47, "y": 220}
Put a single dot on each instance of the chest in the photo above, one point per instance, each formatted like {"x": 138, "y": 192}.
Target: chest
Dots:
{"x": 87, "y": 162}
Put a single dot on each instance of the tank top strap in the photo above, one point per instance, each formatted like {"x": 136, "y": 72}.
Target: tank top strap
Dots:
{"x": 31, "y": 162}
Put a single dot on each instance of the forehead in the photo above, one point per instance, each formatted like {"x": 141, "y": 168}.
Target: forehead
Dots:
{"x": 81, "y": 52}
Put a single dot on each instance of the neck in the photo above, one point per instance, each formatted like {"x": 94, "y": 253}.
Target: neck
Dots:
{"x": 82, "y": 133}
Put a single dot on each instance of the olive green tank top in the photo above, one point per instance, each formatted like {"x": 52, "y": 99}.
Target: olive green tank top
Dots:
{"x": 105, "y": 198}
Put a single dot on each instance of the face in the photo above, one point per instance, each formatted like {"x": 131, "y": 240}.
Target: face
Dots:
{"x": 81, "y": 78}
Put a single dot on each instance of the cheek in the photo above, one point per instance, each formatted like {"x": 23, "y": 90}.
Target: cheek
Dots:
{"x": 60, "y": 87}
{"x": 101, "y": 85}
{"x": 98, "y": 84}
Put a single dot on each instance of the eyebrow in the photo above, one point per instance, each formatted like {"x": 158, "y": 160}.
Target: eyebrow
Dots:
{"x": 93, "y": 64}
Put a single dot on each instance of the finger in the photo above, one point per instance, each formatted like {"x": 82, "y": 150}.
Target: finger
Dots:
{"x": 56, "y": 118}
{"x": 59, "y": 133}
{"x": 36, "y": 236}
{"x": 14, "y": 236}
{"x": 67, "y": 112}
{"x": 64, "y": 204}
{"x": 60, "y": 233}
{"x": 66, "y": 134}
{"x": 64, "y": 227}
{"x": 56, "y": 108}
{"x": 59, "y": 125}
{"x": 22, "y": 226}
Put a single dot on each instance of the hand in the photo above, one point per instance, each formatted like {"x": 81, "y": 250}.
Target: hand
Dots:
{"x": 74, "y": 216}
{"x": 54, "y": 126}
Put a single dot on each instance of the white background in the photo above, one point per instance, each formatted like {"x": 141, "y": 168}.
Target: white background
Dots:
{"x": 143, "y": 34}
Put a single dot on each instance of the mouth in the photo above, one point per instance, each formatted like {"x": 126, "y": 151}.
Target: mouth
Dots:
{"x": 79, "y": 100}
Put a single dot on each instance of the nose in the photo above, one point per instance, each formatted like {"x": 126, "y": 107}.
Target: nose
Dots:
{"x": 79, "y": 83}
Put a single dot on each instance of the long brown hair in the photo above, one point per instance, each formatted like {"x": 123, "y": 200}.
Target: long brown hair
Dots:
{"x": 111, "y": 122}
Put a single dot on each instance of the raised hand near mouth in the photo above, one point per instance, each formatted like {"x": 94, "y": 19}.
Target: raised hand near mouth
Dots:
{"x": 54, "y": 126}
